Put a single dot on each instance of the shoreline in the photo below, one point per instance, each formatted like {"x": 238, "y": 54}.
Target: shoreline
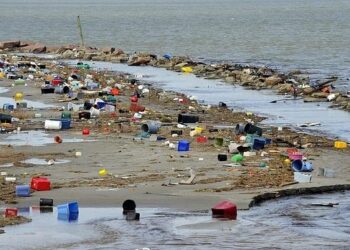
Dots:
{"x": 245, "y": 196}
{"x": 250, "y": 77}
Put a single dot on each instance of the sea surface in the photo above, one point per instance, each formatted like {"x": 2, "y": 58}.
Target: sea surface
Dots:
{"x": 310, "y": 35}
{"x": 289, "y": 223}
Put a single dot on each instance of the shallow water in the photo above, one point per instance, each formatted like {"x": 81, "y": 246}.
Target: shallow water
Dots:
{"x": 38, "y": 161}
{"x": 311, "y": 35}
{"x": 289, "y": 112}
{"x": 289, "y": 223}
{"x": 34, "y": 138}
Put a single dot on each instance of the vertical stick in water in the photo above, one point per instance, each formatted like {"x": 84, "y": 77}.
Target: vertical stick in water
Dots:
{"x": 80, "y": 32}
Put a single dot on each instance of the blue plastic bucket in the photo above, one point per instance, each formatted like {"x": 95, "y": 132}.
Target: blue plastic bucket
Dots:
{"x": 68, "y": 208}
{"x": 258, "y": 143}
{"x": 68, "y": 217}
{"x": 101, "y": 105}
{"x": 22, "y": 190}
{"x": 66, "y": 123}
{"x": 8, "y": 106}
{"x": 183, "y": 146}
{"x": 300, "y": 166}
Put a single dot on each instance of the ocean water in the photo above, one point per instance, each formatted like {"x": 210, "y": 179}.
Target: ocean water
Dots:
{"x": 289, "y": 223}
{"x": 310, "y": 35}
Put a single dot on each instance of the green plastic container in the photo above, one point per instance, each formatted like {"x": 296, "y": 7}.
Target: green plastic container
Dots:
{"x": 111, "y": 98}
{"x": 20, "y": 82}
{"x": 83, "y": 66}
{"x": 219, "y": 142}
{"x": 66, "y": 115}
{"x": 237, "y": 158}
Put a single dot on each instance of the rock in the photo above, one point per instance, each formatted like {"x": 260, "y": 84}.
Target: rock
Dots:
{"x": 284, "y": 88}
{"x": 319, "y": 95}
{"x": 308, "y": 90}
{"x": 9, "y": 44}
{"x": 273, "y": 80}
{"x": 34, "y": 48}
{"x": 266, "y": 72}
{"x": 68, "y": 54}
{"x": 117, "y": 52}
{"x": 107, "y": 50}
{"x": 313, "y": 99}
{"x": 137, "y": 61}
{"x": 123, "y": 58}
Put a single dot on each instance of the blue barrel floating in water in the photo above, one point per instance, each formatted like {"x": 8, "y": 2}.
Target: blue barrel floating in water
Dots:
{"x": 22, "y": 190}
{"x": 68, "y": 208}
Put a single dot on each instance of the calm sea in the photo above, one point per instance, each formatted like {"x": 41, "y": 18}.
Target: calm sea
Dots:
{"x": 298, "y": 34}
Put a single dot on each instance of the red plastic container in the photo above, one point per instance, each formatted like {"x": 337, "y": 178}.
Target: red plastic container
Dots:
{"x": 225, "y": 209}
{"x": 115, "y": 91}
{"x": 136, "y": 108}
{"x": 202, "y": 139}
{"x": 40, "y": 184}
{"x": 86, "y": 131}
{"x": 134, "y": 98}
{"x": 56, "y": 81}
{"x": 11, "y": 212}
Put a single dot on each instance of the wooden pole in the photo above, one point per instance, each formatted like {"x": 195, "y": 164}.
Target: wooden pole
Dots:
{"x": 80, "y": 32}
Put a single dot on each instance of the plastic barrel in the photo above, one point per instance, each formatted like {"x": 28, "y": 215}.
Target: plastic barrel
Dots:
{"x": 129, "y": 206}
{"x": 4, "y": 118}
{"x": 66, "y": 123}
{"x": 44, "y": 202}
{"x": 151, "y": 127}
{"x": 22, "y": 190}
{"x": 258, "y": 144}
{"x": 66, "y": 115}
{"x": 252, "y": 129}
{"x": 53, "y": 124}
{"x": 186, "y": 118}
{"x": 239, "y": 129}
{"x": 300, "y": 166}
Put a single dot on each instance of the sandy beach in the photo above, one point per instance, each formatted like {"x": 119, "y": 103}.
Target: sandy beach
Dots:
{"x": 144, "y": 169}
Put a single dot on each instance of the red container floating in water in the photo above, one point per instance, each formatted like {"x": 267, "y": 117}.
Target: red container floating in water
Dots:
{"x": 40, "y": 184}
{"x": 202, "y": 139}
{"x": 11, "y": 212}
{"x": 225, "y": 209}
{"x": 86, "y": 131}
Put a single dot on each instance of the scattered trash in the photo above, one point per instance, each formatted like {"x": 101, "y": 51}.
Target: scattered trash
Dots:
{"x": 22, "y": 190}
{"x": 40, "y": 184}
{"x": 302, "y": 177}
{"x": 225, "y": 209}
{"x": 190, "y": 180}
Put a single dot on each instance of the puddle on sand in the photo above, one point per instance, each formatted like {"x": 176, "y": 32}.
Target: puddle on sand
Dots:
{"x": 38, "y": 161}
{"x": 34, "y": 138}
{"x": 290, "y": 223}
{"x": 30, "y": 104}
{"x": 7, "y": 165}
{"x": 285, "y": 111}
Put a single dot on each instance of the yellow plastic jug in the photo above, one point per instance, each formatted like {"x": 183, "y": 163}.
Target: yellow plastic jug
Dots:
{"x": 340, "y": 144}
{"x": 18, "y": 96}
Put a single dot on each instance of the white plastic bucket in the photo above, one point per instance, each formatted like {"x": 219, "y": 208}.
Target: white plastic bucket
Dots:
{"x": 51, "y": 124}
